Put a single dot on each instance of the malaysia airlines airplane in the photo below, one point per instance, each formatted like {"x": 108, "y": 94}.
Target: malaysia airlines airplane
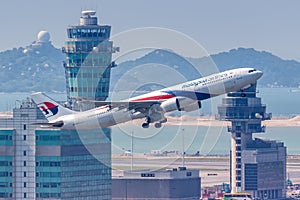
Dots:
{"x": 151, "y": 106}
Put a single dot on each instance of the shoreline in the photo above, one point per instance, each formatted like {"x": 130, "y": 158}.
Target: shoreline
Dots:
{"x": 211, "y": 121}
{"x": 208, "y": 120}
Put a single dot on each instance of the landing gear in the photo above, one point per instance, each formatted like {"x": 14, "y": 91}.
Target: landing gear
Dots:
{"x": 146, "y": 124}
{"x": 164, "y": 120}
{"x": 157, "y": 125}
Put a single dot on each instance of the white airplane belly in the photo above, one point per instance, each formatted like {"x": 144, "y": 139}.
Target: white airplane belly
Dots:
{"x": 113, "y": 118}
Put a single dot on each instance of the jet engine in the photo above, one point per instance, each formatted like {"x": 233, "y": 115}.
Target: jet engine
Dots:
{"x": 180, "y": 104}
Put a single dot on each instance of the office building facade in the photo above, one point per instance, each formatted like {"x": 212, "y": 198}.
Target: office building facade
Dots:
{"x": 46, "y": 163}
{"x": 264, "y": 169}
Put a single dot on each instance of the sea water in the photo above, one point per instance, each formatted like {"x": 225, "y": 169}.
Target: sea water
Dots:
{"x": 279, "y": 101}
{"x": 193, "y": 139}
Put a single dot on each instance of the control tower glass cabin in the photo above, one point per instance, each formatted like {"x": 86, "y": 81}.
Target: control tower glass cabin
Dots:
{"x": 88, "y": 62}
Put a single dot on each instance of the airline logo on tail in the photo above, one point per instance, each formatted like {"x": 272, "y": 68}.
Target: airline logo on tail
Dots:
{"x": 49, "y": 109}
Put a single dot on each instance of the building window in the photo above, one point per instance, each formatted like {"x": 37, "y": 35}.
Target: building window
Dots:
{"x": 24, "y": 137}
{"x": 251, "y": 179}
{"x": 25, "y": 174}
{"x": 24, "y": 115}
{"x": 147, "y": 175}
{"x": 24, "y": 127}
{"x": 25, "y": 195}
{"x": 24, "y": 163}
{"x": 24, "y": 153}
{"x": 25, "y": 184}
{"x": 238, "y": 166}
{"x": 189, "y": 174}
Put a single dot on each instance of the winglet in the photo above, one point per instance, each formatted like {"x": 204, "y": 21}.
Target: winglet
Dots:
{"x": 50, "y": 108}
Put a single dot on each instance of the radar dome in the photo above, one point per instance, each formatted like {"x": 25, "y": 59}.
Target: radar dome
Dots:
{"x": 43, "y": 36}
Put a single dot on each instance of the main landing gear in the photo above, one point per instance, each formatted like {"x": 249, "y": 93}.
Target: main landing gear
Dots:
{"x": 156, "y": 125}
{"x": 146, "y": 124}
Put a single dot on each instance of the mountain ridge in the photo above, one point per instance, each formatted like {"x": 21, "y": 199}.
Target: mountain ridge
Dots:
{"x": 40, "y": 68}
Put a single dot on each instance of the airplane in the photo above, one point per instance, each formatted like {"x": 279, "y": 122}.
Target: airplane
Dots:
{"x": 152, "y": 106}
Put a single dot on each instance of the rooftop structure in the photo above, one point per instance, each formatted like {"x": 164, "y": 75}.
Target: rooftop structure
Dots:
{"x": 175, "y": 183}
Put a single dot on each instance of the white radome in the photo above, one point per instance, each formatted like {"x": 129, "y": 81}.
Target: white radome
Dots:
{"x": 43, "y": 36}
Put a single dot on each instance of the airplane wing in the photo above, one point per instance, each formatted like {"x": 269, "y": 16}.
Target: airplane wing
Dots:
{"x": 152, "y": 110}
{"x": 130, "y": 105}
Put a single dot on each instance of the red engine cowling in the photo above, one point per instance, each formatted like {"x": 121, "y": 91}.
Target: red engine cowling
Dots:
{"x": 180, "y": 104}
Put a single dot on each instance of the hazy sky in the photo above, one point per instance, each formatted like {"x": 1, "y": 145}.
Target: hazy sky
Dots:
{"x": 268, "y": 25}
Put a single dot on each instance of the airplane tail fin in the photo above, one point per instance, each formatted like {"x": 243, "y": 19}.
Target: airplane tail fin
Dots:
{"x": 50, "y": 108}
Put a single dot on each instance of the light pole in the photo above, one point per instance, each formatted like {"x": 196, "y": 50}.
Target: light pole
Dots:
{"x": 131, "y": 150}
{"x": 183, "y": 150}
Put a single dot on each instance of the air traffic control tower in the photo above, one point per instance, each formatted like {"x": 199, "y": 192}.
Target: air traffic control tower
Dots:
{"x": 88, "y": 64}
{"x": 257, "y": 166}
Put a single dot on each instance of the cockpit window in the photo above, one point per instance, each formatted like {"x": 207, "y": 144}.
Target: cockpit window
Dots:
{"x": 251, "y": 70}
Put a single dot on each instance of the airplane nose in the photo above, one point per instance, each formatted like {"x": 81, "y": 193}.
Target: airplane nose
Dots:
{"x": 259, "y": 74}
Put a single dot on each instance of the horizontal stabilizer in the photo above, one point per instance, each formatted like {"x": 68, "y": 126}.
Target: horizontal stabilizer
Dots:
{"x": 50, "y": 125}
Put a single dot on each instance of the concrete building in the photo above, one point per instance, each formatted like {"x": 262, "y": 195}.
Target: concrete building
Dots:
{"x": 180, "y": 184}
{"x": 18, "y": 152}
{"x": 257, "y": 166}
